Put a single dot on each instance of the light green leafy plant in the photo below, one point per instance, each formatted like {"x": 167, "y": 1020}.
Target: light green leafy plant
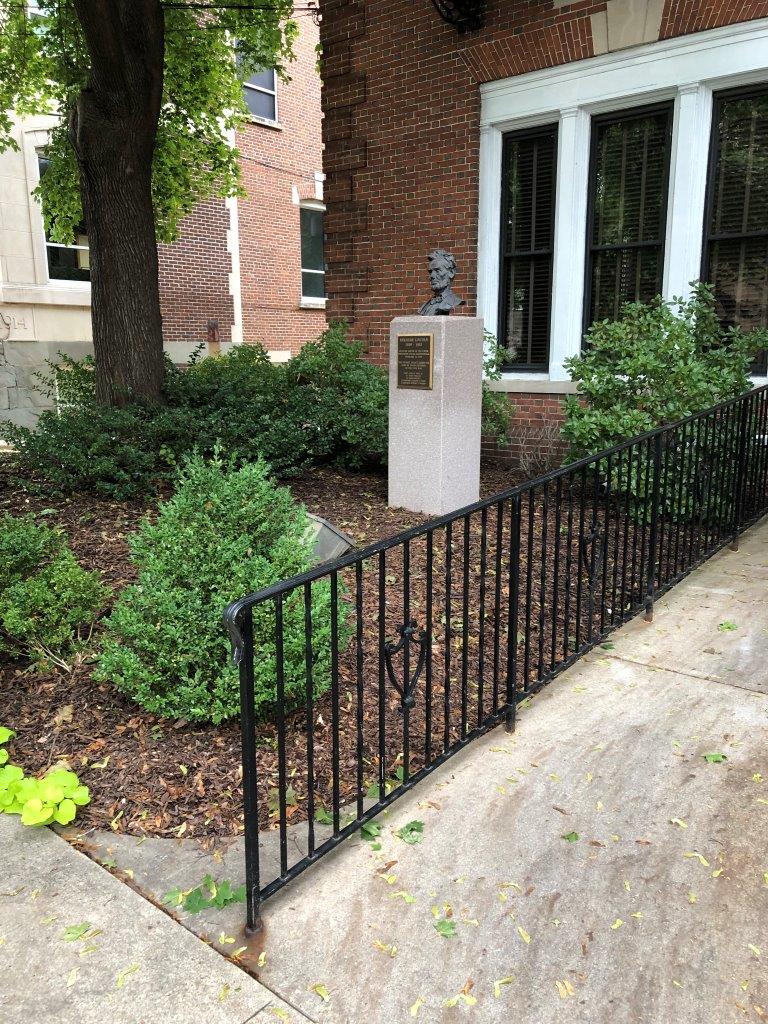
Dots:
{"x": 54, "y": 798}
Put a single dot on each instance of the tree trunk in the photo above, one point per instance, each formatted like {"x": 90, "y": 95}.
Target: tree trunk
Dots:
{"x": 113, "y": 130}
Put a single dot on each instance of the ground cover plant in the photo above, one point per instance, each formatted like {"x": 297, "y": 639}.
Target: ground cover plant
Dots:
{"x": 325, "y": 406}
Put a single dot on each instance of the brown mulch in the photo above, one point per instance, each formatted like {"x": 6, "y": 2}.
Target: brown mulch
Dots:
{"x": 150, "y": 776}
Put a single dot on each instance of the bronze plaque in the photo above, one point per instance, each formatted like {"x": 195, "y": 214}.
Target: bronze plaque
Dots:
{"x": 414, "y": 361}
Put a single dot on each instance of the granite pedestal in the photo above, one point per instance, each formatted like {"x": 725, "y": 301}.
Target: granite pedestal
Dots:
{"x": 434, "y": 431}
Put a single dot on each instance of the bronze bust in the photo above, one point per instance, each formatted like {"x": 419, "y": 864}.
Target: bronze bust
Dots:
{"x": 442, "y": 270}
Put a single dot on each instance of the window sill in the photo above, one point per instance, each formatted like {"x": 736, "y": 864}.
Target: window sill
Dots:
{"x": 266, "y": 123}
{"x": 59, "y": 293}
{"x": 312, "y": 303}
{"x": 533, "y": 384}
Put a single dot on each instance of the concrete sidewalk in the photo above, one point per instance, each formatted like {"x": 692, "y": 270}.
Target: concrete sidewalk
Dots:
{"x": 78, "y": 946}
{"x": 596, "y": 866}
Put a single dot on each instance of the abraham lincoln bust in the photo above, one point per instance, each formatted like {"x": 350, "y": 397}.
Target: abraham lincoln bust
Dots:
{"x": 442, "y": 270}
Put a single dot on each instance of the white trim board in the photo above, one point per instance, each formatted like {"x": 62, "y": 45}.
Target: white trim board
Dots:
{"x": 687, "y": 70}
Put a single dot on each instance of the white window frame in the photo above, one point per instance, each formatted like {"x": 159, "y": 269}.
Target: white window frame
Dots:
{"x": 271, "y": 122}
{"x": 310, "y": 301}
{"x": 44, "y": 290}
{"x": 687, "y": 70}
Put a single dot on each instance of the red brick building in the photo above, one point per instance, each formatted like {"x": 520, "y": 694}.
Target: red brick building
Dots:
{"x": 251, "y": 269}
{"x": 571, "y": 155}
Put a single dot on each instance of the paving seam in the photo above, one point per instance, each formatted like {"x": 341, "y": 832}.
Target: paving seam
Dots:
{"x": 686, "y": 675}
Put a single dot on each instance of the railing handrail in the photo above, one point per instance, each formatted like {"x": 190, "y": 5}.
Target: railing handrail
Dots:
{"x": 235, "y": 608}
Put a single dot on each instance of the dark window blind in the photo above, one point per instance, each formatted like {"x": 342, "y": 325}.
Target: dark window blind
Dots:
{"x": 527, "y": 232}
{"x": 629, "y": 173}
{"x": 736, "y": 227}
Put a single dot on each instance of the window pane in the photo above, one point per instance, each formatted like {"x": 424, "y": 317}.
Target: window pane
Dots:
{"x": 528, "y": 201}
{"x": 67, "y": 264}
{"x": 313, "y": 285}
{"x": 261, "y": 104}
{"x": 64, "y": 263}
{"x": 628, "y": 190}
{"x": 736, "y": 252}
{"x": 263, "y": 79}
{"x": 312, "y": 240}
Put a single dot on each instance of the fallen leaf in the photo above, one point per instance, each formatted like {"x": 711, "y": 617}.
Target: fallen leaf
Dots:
{"x": 571, "y": 837}
{"x": 617, "y": 923}
{"x": 322, "y": 991}
{"x": 123, "y": 976}
{"x": 692, "y": 898}
{"x": 716, "y": 758}
{"x": 416, "y": 1007}
{"x": 64, "y": 715}
{"x": 565, "y": 989}
{"x": 72, "y": 977}
{"x": 389, "y": 949}
{"x": 697, "y": 856}
{"x": 679, "y": 822}
{"x": 499, "y": 984}
{"x": 524, "y": 935}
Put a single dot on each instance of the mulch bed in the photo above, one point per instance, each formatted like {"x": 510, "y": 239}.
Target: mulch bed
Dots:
{"x": 150, "y": 776}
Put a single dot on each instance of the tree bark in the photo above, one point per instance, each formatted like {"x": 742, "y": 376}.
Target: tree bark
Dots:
{"x": 113, "y": 129}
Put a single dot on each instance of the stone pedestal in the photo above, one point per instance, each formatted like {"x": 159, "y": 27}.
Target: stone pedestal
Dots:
{"x": 434, "y": 432}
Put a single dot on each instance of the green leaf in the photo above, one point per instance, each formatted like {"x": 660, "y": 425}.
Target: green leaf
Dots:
{"x": 411, "y": 833}
{"x": 6, "y": 734}
{"x": 571, "y": 837}
{"x": 370, "y": 830}
{"x": 65, "y": 812}
{"x": 322, "y": 817}
{"x": 445, "y": 928}
{"x": 74, "y": 932}
{"x": 727, "y": 626}
{"x": 715, "y": 758}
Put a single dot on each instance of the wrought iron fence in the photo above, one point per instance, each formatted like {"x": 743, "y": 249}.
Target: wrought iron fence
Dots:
{"x": 391, "y": 659}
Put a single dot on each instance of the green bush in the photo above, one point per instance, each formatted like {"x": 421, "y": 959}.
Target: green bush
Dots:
{"x": 225, "y": 532}
{"x": 658, "y": 363}
{"x": 47, "y": 600}
{"x": 326, "y": 405}
{"x": 497, "y": 408}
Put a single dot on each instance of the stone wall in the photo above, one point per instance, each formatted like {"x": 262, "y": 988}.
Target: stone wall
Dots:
{"x": 20, "y": 401}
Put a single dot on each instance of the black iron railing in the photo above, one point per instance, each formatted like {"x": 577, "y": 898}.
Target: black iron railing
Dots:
{"x": 391, "y": 659}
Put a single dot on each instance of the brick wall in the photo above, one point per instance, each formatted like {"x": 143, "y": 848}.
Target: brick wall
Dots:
{"x": 277, "y": 164}
{"x": 401, "y": 128}
{"x": 194, "y": 277}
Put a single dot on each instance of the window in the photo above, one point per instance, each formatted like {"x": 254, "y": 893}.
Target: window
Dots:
{"x": 67, "y": 262}
{"x": 627, "y": 212}
{"x": 312, "y": 261}
{"x": 735, "y": 253}
{"x": 527, "y": 236}
{"x": 261, "y": 95}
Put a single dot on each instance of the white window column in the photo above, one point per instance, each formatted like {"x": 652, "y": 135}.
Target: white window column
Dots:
{"x": 570, "y": 239}
{"x": 489, "y": 228}
{"x": 687, "y": 189}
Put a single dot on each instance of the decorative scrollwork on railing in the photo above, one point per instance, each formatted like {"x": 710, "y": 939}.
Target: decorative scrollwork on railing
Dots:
{"x": 464, "y": 15}
{"x": 409, "y": 634}
{"x": 592, "y": 557}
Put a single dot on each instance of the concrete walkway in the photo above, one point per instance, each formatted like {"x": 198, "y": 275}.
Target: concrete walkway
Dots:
{"x": 78, "y": 946}
{"x": 596, "y": 866}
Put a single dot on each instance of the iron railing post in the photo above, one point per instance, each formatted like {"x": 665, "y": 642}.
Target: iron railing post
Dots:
{"x": 250, "y": 793}
{"x": 514, "y": 597}
{"x": 741, "y": 464}
{"x": 653, "y": 540}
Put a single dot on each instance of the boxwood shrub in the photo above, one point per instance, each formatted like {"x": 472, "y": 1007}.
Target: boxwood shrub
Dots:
{"x": 224, "y": 533}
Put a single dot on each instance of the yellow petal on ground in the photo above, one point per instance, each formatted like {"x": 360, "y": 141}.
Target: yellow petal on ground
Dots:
{"x": 755, "y": 950}
{"x": 523, "y": 934}
{"x": 390, "y": 950}
{"x": 322, "y": 991}
{"x": 744, "y": 985}
{"x": 565, "y": 989}
{"x": 692, "y": 898}
{"x": 677, "y": 984}
{"x": 416, "y": 1007}
{"x": 589, "y": 776}
{"x": 757, "y": 777}
{"x": 638, "y": 914}
{"x": 389, "y": 879}
{"x": 679, "y": 822}
{"x": 617, "y": 923}
{"x": 499, "y": 984}
{"x": 717, "y": 872}
{"x": 627, "y": 886}
{"x": 72, "y": 977}
{"x": 599, "y": 805}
